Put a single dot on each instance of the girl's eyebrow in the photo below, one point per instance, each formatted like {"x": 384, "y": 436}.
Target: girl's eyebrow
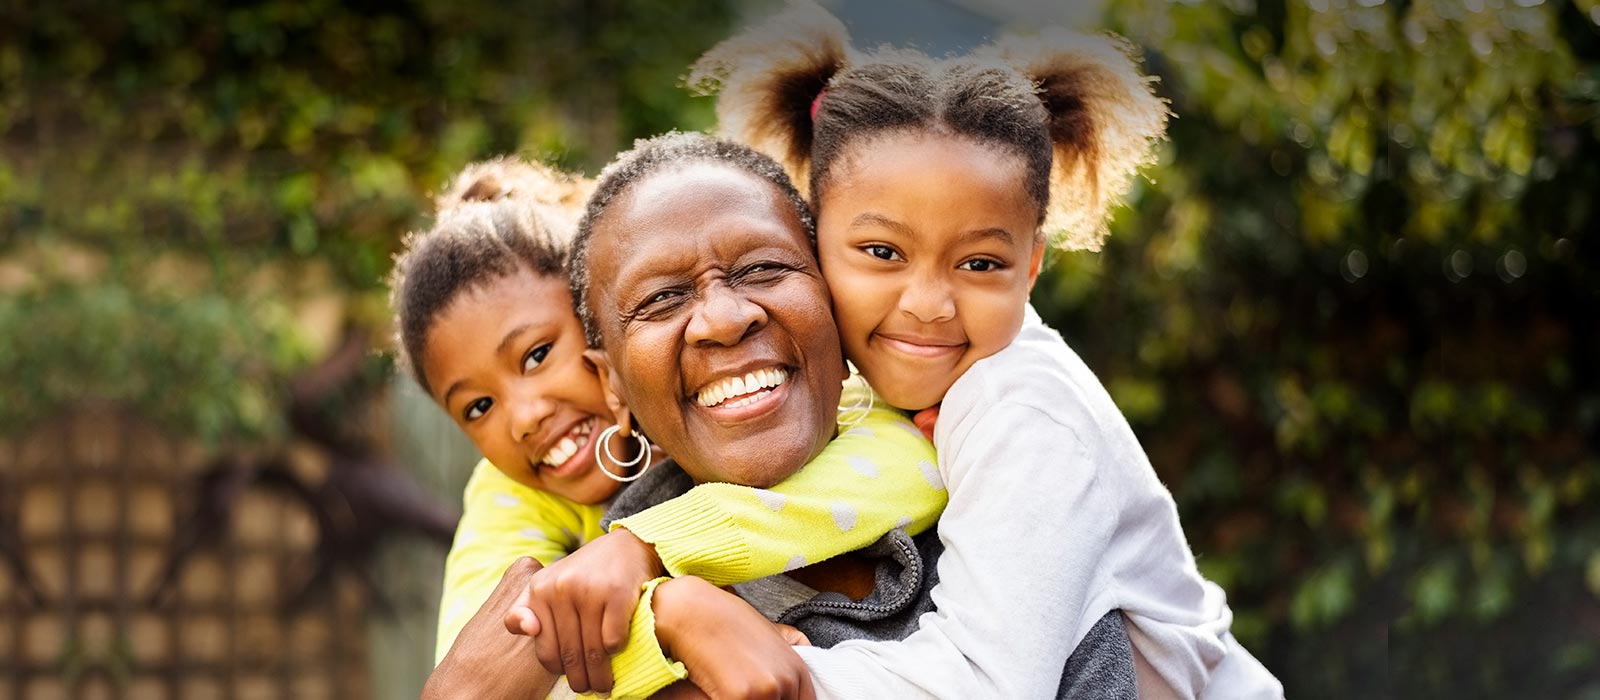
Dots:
{"x": 987, "y": 233}
{"x": 510, "y": 336}
{"x": 871, "y": 219}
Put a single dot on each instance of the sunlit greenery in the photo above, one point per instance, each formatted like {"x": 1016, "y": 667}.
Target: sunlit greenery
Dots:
{"x": 1352, "y": 319}
{"x": 1352, "y": 315}
{"x": 226, "y": 185}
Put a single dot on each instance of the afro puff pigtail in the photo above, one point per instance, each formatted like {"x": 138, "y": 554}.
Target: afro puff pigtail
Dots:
{"x": 769, "y": 78}
{"x": 509, "y": 177}
{"x": 1104, "y": 121}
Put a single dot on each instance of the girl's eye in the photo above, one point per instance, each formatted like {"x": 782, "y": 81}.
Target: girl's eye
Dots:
{"x": 881, "y": 252}
{"x": 476, "y": 409}
{"x": 980, "y": 265}
{"x": 535, "y": 357}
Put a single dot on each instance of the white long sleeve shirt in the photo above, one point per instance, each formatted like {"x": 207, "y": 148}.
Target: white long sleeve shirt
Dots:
{"x": 1055, "y": 518}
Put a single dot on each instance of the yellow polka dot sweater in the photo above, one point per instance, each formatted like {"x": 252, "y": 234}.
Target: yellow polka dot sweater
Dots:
{"x": 878, "y": 475}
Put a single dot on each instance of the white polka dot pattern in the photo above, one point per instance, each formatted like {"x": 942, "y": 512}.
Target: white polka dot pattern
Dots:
{"x": 863, "y": 466}
{"x": 930, "y": 472}
{"x": 770, "y": 499}
{"x": 844, "y": 516}
{"x": 910, "y": 428}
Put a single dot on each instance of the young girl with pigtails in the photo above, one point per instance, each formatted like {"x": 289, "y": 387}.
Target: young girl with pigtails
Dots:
{"x": 937, "y": 185}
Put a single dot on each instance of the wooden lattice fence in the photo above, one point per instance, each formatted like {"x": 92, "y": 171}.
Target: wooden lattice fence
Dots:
{"x": 92, "y": 507}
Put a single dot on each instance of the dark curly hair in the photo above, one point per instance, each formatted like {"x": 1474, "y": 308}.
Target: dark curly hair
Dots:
{"x": 1073, "y": 107}
{"x": 651, "y": 156}
{"x": 497, "y": 218}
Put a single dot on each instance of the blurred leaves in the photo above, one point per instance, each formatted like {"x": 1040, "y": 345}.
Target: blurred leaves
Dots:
{"x": 302, "y": 138}
{"x": 1359, "y": 292}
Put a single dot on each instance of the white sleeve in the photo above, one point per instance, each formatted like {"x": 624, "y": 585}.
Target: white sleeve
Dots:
{"x": 1028, "y": 523}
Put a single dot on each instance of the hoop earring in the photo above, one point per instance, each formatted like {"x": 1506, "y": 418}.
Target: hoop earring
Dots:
{"x": 603, "y": 447}
{"x": 856, "y": 411}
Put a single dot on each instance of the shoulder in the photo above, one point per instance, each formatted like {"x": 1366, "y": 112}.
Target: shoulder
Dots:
{"x": 488, "y": 486}
{"x": 1037, "y": 378}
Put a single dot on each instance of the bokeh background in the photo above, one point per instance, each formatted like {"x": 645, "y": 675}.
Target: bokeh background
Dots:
{"x": 1352, "y": 316}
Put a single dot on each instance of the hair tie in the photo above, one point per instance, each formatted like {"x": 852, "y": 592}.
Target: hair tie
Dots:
{"x": 817, "y": 102}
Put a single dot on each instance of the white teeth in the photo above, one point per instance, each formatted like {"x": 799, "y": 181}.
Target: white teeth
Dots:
{"x": 717, "y": 392}
{"x": 568, "y": 446}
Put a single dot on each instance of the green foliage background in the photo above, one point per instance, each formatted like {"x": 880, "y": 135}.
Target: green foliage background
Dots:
{"x": 1351, "y": 316}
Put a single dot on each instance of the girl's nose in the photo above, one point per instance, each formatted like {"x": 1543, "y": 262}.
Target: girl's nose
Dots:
{"x": 529, "y": 412}
{"x": 928, "y": 299}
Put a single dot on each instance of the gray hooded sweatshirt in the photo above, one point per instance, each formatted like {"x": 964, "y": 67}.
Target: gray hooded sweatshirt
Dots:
{"x": 1100, "y": 668}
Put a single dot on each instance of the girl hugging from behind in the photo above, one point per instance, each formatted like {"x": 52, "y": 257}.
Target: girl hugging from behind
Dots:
{"x": 937, "y": 185}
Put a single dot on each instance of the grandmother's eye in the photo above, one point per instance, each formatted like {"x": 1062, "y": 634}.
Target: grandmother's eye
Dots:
{"x": 535, "y": 357}
{"x": 476, "y": 409}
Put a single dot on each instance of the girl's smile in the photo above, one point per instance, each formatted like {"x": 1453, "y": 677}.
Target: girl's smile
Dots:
{"x": 929, "y": 245}
{"x": 509, "y": 357}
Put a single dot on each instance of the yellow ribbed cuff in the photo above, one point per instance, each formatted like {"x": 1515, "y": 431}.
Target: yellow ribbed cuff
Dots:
{"x": 642, "y": 668}
{"x": 694, "y": 537}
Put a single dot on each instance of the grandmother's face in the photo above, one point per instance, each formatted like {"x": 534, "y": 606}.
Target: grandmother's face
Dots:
{"x": 717, "y": 323}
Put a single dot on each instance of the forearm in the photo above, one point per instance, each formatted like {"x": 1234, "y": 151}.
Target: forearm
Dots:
{"x": 1020, "y": 546}
{"x": 487, "y": 662}
{"x": 870, "y": 480}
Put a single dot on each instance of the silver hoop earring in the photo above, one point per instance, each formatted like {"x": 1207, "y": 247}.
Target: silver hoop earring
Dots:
{"x": 851, "y": 415}
{"x": 602, "y": 452}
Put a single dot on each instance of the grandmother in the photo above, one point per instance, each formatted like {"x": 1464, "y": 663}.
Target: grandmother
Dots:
{"x": 695, "y": 262}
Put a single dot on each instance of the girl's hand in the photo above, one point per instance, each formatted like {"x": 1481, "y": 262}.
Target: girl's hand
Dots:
{"x": 925, "y": 419}
{"x": 731, "y": 651}
{"x": 578, "y": 609}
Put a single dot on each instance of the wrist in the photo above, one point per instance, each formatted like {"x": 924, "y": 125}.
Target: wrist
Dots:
{"x": 644, "y": 553}
{"x": 675, "y": 605}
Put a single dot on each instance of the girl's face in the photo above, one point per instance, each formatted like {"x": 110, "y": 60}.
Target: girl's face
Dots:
{"x": 716, "y": 322}
{"x": 928, "y": 243}
{"x": 506, "y": 361}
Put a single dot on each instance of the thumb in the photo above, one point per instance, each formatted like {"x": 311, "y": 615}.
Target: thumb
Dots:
{"x": 521, "y": 620}
{"x": 792, "y": 636}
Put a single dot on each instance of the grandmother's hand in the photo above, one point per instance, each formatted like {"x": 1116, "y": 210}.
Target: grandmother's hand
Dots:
{"x": 486, "y": 662}
{"x": 578, "y": 609}
{"x": 731, "y": 651}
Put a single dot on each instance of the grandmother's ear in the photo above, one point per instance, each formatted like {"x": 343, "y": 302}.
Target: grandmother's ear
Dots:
{"x": 609, "y": 383}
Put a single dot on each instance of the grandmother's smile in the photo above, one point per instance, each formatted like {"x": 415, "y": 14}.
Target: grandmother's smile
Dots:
{"x": 716, "y": 322}
{"x": 742, "y": 389}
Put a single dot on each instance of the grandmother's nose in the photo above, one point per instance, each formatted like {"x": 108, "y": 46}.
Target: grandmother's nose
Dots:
{"x": 723, "y": 316}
